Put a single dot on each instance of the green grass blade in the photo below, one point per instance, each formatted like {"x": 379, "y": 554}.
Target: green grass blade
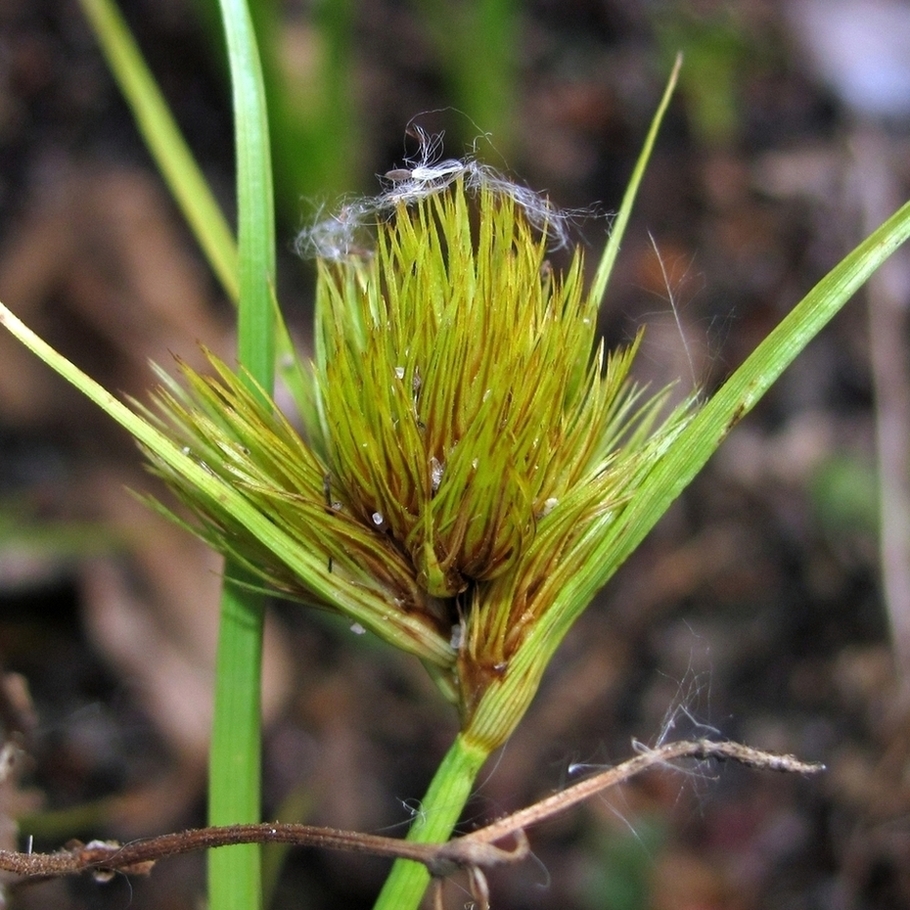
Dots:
{"x": 605, "y": 266}
{"x": 175, "y": 161}
{"x": 255, "y": 197}
{"x": 165, "y": 142}
{"x": 217, "y": 496}
{"x": 711, "y": 425}
{"x": 235, "y": 873}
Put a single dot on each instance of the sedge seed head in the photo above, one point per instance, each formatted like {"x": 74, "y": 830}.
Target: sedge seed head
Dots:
{"x": 469, "y": 445}
{"x": 458, "y": 392}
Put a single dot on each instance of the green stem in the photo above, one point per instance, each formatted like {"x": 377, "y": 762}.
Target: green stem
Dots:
{"x": 439, "y": 812}
{"x": 164, "y": 141}
{"x": 235, "y": 873}
{"x": 234, "y": 768}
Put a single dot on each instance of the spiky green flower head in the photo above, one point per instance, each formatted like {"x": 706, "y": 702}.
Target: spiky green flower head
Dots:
{"x": 470, "y": 447}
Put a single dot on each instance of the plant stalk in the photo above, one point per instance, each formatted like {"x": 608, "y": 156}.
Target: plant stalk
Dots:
{"x": 165, "y": 142}
{"x": 235, "y": 873}
{"x": 437, "y": 816}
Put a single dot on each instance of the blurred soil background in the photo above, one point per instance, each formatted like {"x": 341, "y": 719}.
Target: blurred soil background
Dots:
{"x": 759, "y": 610}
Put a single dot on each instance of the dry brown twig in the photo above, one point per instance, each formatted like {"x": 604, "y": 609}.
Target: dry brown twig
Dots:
{"x": 475, "y": 852}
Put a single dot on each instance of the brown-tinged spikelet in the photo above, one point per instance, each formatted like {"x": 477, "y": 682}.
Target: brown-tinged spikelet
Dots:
{"x": 470, "y": 446}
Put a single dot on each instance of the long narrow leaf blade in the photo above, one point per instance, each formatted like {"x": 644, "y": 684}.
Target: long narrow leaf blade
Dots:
{"x": 611, "y": 250}
{"x": 739, "y": 394}
{"x": 165, "y": 142}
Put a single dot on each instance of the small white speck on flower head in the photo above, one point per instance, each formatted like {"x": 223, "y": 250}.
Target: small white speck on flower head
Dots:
{"x": 548, "y": 506}
{"x": 474, "y": 463}
{"x": 457, "y": 639}
{"x": 436, "y": 471}
{"x": 399, "y": 372}
{"x": 357, "y": 629}
{"x": 377, "y": 518}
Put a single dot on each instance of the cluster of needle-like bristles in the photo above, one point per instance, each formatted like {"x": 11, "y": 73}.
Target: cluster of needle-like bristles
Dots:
{"x": 473, "y": 441}
{"x": 461, "y": 393}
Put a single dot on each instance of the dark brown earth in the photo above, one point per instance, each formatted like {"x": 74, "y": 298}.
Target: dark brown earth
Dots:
{"x": 755, "y": 611}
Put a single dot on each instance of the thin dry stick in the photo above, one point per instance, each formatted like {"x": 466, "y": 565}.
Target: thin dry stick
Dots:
{"x": 139, "y": 855}
{"x": 469, "y": 851}
{"x": 472, "y": 851}
{"x": 461, "y": 851}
